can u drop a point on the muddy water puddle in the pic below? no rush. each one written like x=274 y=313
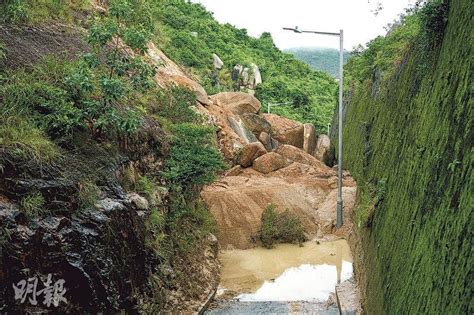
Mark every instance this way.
x=286 y=272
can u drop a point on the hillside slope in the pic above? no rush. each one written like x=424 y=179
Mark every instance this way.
x=105 y=145
x=409 y=144
x=190 y=35
x=321 y=59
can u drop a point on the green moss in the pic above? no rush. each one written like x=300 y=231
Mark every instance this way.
x=417 y=132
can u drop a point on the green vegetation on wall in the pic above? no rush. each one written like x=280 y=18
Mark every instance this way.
x=409 y=144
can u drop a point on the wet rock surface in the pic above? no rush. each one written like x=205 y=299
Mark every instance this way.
x=99 y=252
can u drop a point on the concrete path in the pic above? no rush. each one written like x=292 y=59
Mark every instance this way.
x=237 y=307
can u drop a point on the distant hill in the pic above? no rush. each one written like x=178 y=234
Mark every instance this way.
x=323 y=59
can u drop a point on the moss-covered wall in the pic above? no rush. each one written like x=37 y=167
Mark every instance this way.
x=410 y=147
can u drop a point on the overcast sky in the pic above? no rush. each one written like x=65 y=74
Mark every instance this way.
x=356 y=17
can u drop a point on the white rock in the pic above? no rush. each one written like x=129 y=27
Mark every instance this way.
x=257 y=76
x=140 y=202
x=218 y=64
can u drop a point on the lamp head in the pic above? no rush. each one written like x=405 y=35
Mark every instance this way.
x=296 y=30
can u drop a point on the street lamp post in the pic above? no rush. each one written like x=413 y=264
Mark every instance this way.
x=341 y=61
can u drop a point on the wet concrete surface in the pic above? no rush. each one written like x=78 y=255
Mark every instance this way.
x=274 y=308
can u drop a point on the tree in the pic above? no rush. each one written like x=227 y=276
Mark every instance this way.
x=123 y=73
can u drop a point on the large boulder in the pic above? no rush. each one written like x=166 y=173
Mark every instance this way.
x=286 y=130
x=169 y=73
x=269 y=143
x=294 y=137
x=237 y=102
x=237 y=125
x=269 y=162
x=256 y=123
x=309 y=138
x=322 y=150
x=280 y=125
x=297 y=155
x=193 y=86
x=250 y=152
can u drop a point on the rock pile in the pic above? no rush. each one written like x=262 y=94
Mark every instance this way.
x=276 y=160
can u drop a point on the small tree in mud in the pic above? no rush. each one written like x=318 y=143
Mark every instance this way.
x=282 y=227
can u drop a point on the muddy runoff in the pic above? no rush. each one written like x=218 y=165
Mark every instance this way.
x=285 y=273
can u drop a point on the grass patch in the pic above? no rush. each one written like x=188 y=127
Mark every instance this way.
x=282 y=227
x=89 y=193
x=33 y=205
x=23 y=140
x=148 y=187
x=188 y=226
x=39 y=11
x=178 y=233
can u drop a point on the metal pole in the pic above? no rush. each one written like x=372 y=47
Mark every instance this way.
x=339 y=184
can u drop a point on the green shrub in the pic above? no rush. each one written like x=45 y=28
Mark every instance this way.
x=269 y=230
x=290 y=228
x=39 y=11
x=33 y=205
x=194 y=159
x=175 y=104
x=13 y=11
x=283 y=227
